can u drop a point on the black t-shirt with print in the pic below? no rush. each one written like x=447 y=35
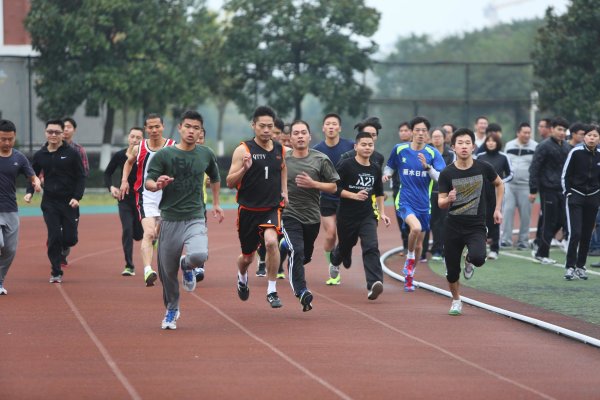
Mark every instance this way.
x=355 y=177
x=469 y=207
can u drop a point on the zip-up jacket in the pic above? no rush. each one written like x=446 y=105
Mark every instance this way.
x=520 y=157
x=546 y=167
x=581 y=173
x=64 y=176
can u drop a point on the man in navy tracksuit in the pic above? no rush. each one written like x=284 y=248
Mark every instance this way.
x=64 y=183
x=581 y=186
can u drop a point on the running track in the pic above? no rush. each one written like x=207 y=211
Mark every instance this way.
x=98 y=336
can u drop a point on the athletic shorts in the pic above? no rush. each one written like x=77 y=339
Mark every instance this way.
x=251 y=225
x=329 y=207
x=424 y=218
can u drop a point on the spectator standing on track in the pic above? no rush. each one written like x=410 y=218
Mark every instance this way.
x=356 y=218
x=520 y=155
x=147 y=201
x=449 y=128
x=544 y=128
x=545 y=177
x=462 y=192
x=576 y=133
x=581 y=186
x=405 y=136
x=481 y=124
x=499 y=160
x=130 y=220
x=64 y=184
x=12 y=163
x=309 y=172
x=179 y=172
x=438 y=215
x=258 y=171
x=418 y=164
x=333 y=147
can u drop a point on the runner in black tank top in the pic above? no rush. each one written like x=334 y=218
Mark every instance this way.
x=259 y=173
x=261 y=185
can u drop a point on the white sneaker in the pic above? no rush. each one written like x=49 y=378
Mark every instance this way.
x=170 y=320
x=492 y=255
x=455 y=308
x=468 y=270
x=188 y=279
x=546 y=261
x=555 y=242
x=3 y=291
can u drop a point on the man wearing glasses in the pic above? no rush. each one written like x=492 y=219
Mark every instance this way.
x=64 y=184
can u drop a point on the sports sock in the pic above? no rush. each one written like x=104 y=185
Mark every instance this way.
x=410 y=255
x=272 y=287
x=243 y=278
x=147 y=268
x=328 y=256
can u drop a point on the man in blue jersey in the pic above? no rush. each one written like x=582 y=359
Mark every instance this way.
x=333 y=146
x=418 y=164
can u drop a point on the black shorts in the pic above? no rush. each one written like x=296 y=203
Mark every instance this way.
x=329 y=207
x=252 y=223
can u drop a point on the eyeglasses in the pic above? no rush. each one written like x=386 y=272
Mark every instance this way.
x=51 y=132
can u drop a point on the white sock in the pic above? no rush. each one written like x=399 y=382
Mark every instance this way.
x=410 y=255
x=272 y=287
x=243 y=278
x=147 y=268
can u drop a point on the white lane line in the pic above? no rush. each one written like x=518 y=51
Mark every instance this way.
x=439 y=348
x=105 y=354
x=533 y=260
x=275 y=350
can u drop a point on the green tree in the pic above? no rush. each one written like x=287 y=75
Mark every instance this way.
x=287 y=49
x=567 y=59
x=111 y=54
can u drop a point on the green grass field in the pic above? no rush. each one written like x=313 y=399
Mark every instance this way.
x=540 y=285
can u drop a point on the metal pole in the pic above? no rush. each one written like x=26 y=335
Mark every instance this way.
x=30 y=107
x=533 y=96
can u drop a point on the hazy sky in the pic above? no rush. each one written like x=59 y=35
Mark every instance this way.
x=440 y=18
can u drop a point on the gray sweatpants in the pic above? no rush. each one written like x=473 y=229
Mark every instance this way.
x=174 y=236
x=516 y=198
x=9 y=238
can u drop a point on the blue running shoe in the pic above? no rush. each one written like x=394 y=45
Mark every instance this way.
x=170 y=320
x=283 y=245
x=188 y=279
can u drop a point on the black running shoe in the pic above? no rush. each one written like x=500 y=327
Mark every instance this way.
x=306 y=299
x=243 y=291
x=273 y=300
x=347 y=261
x=262 y=270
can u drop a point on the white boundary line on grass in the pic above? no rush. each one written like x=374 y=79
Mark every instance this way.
x=533 y=260
x=536 y=322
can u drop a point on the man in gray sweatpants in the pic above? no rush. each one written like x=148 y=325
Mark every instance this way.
x=179 y=172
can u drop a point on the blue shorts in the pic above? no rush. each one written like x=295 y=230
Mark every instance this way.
x=424 y=218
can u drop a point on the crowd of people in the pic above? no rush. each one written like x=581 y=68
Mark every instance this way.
x=455 y=188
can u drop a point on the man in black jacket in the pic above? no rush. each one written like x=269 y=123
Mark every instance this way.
x=128 y=213
x=64 y=184
x=545 y=177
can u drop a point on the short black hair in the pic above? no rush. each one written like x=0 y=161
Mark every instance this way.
x=576 y=126
x=153 y=116
x=418 y=120
x=462 y=132
x=371 y=121
x=56 y=121
x=193 y=115
x=438 y=128
x=71 y=120
x=404 y=123
x=547 y=121
x=136 y=128
x=560 y=121
x=7 y=126
x=263 y=111
x=362 y=135
x=452 y=126
x=296 y=122
x=334 y=115
x=481 y=117
x=279 y=124
x=523 y=125
x=493 y=127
